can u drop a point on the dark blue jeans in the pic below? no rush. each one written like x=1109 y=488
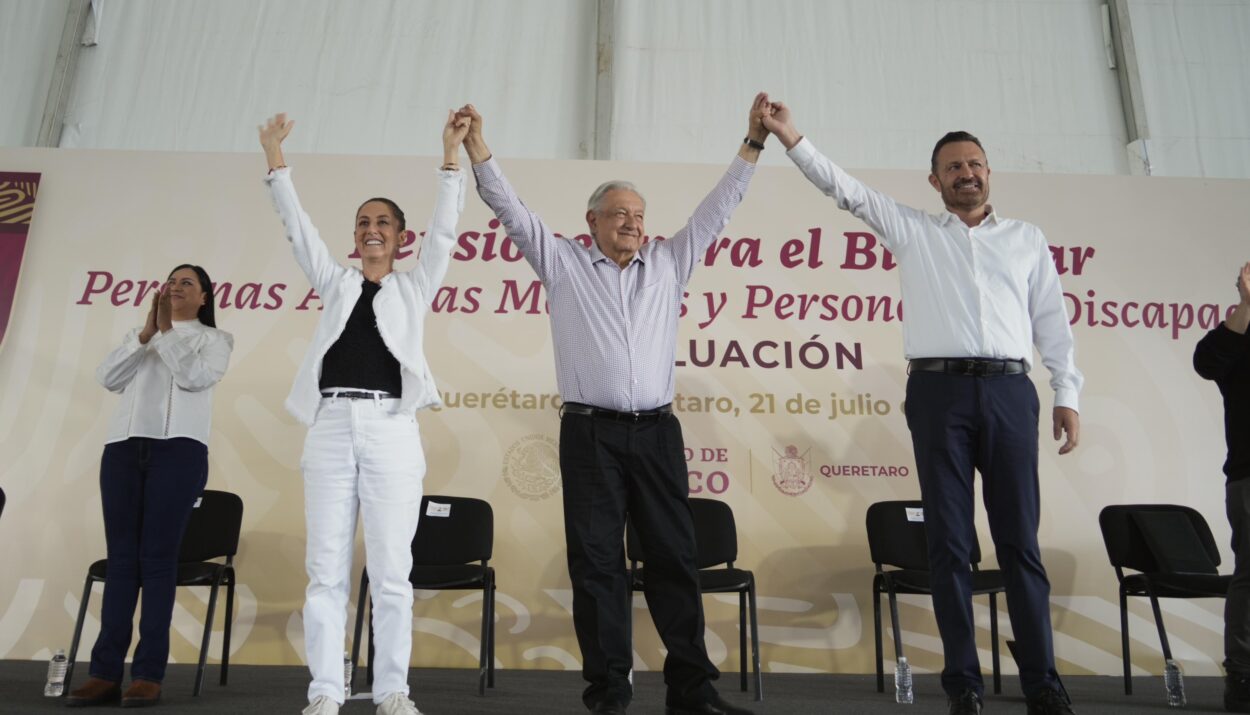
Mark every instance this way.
x=148 y=488
x=961 y=423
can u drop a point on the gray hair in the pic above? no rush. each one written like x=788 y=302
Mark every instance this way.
x=616 y=185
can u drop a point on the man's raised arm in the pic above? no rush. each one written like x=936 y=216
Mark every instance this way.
x=712 y=215
x=537 y=242
x=874 y=208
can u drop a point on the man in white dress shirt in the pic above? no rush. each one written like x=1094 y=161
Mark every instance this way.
x=981 y=292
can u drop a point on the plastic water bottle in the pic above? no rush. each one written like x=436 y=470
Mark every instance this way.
x=347 y=675
x=56 y=675
x=903 y=693
x=1174 y=683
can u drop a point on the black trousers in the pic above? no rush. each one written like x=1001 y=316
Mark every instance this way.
x=961 y=423
x=1237 y=603
x=609 y=469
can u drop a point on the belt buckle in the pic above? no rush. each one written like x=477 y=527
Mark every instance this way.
x=967 y=367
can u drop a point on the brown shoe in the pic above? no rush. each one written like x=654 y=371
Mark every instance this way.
x=141 y=694
x=96 y=691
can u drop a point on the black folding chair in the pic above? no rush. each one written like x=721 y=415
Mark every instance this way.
x=896 y=537
x=1174 y=554
x=451 y=550
x=716 y=538
x=212 y=533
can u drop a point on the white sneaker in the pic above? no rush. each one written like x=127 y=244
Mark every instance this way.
x=397 y=704
x=322 y=705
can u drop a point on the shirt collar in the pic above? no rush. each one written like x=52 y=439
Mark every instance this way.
x=596 y=255
x=991 y=218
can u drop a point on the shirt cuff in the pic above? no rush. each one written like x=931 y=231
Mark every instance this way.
x=741 y=169
x=161 y=340
x=272 y=175
x=802 y=153
x=1067 y=397
x=131 y=341
x=487 y=171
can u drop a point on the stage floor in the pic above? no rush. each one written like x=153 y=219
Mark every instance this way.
x=279 y=690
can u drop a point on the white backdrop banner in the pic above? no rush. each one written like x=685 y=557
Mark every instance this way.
x=789 y=387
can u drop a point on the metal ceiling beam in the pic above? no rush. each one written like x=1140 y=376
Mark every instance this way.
x=605 y=89
x=63 y=73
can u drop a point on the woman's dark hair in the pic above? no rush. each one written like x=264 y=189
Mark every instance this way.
x=394 y=207
x=205 y=315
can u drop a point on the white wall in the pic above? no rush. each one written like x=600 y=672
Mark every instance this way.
x=30 y=32
x=873 y=82
x=1195 y=67
x=361 y=77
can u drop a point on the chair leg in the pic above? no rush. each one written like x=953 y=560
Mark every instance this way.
x=1163 y=634
x=229 y=617
x=484 y=645
x=208 y=632
x=1124 y=643
x=994 y=659
x=742 y=641
x=898 y=637
x=876 y=622
x=82 y=616
x=755 y=643
x=369 y=657
x=360 y=622
x=490 y=658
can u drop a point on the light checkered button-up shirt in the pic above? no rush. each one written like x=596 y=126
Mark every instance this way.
x=614 y=329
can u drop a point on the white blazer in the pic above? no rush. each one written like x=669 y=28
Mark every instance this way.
x=400 y=305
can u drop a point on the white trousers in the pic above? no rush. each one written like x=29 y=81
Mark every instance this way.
x=360 y=453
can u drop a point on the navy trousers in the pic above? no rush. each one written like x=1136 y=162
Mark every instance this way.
x=962 y=423
x=610 y=469
x=148 y=488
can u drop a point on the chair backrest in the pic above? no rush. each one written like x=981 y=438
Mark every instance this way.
x=715 y=534
x=1153 y=538
x=453 y=530
x=213 y=530
x=896 y=535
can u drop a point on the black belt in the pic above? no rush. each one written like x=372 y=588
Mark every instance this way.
x=359 y=395
x=577 y=408
x=976 y=367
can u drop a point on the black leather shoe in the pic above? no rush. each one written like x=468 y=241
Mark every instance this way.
x=966 y=703
x=715 y=706
x=608 y=708
x=1049 y=702
x=1237 y=693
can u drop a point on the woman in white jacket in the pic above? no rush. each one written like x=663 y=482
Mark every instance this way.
x=358 y=389
x=155 y=465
